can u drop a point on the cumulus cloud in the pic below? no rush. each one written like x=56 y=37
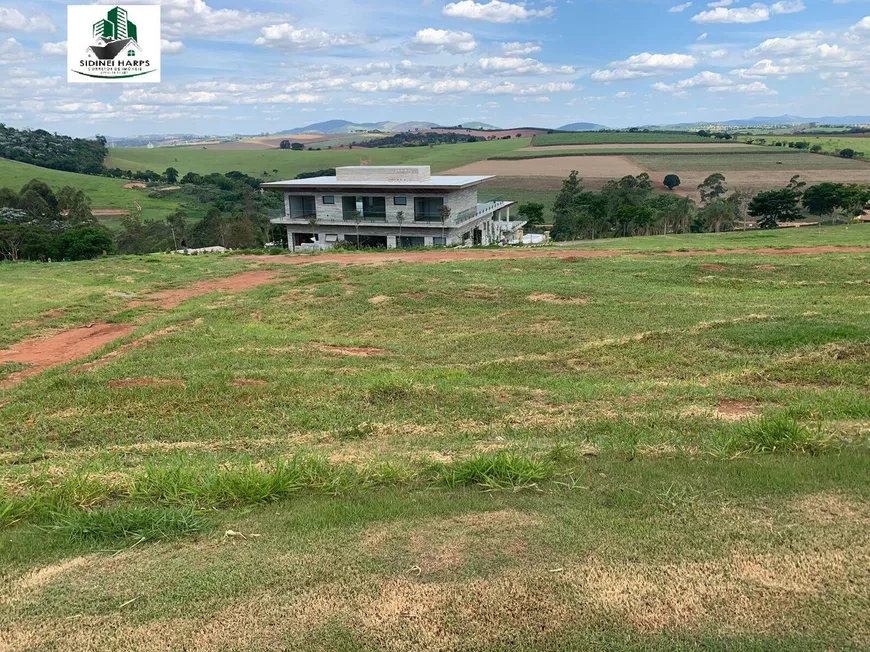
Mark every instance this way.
x=677 y=9
x=494 y=11
x=11 y=51
x=432 y=41
x=645 y=65
x=520 y=66
x=179 y=18
x=54 y=49
x=516 y=49
x=714 y=82
x=723 y=12
x=287 y=37
x=171 y=47
x=12 y=20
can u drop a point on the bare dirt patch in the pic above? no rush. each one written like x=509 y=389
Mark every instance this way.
x=67 y=346
x=352 y=351
x=134 y=184
x=379 y=299
x=589 y=167
x=144 y=382
x=248 y=382
x=552 y=298
x=169 y=299
x=734 y=410
x=713 y=268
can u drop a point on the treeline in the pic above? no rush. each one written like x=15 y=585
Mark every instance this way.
x=37 y=224
x=237 y=216
x=421 y=139
x=39 y=147
x=630 y=207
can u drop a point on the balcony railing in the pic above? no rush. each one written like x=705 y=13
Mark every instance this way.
x=371 y=216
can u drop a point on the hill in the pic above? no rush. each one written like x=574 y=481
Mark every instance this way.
x=347 y=127
x=582 y=126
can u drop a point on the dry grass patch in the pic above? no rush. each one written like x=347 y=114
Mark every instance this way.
x=552 y=298
x=379 y=299
x=351 y=351
x=145 y=382
x=38 y=579
x=248 y=382
x=447 y=544
x=831 y=509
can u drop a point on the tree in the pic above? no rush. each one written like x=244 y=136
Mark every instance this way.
x=672 y=181
x=712 y=188
x=177 y=222
x=566 y=208
x=285 y=144
x=192 y=178
x=76 y=205
x=444 y=213
x=11 y=238
x=847 y=153
x=718 y=215
x=297 y=147
x=532 y=213
x=824 y=198
x=400 y=218
x=775 y=206
x=86 y=242
x=171 y=175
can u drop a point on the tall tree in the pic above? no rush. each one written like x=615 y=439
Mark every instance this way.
x=775 y=206
x=712 y=188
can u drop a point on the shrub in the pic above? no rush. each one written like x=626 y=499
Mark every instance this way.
x=497 y=471
x=780 y=434
x=847 y=153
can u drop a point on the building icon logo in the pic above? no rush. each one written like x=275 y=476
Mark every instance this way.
x=121 y=45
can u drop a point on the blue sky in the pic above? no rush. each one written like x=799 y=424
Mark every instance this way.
x=263 y=66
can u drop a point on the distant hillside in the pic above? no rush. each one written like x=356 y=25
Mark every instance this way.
x=582 y=126
x=347 y=127
x=478 y=125
x=844 y=120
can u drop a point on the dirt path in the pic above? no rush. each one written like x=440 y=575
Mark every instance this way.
x=444 y=256
x=169 y=299
x=67 y=346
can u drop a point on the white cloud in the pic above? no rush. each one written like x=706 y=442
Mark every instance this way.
x=645 y=65
x=400 y=84
x=676 y=9
x=494 y=11
x=11 y=51
x=286 y=37
x=170 y=47
x=787 y=7
x=714 y=82
x=432 y=41
x=520 y=66
x=12 y=20
x=516 y=49
x=755 y=14
x=767 y=68
x=54 y=49
x=180 y=18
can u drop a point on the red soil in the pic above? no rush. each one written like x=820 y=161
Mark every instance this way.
x=47 y=352
x=169 y=299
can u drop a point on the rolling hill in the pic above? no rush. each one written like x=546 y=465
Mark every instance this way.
x=582 y=126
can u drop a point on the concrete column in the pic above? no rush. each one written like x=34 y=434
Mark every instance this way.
x=291 y=244
x=286 y=204
x=392 y=242
x=428 y=241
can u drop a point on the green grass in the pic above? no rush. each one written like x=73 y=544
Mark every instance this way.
x=622 y=137
x=688 y=151
x=830 y=144
x=768 y=160
x=290 y=163
x=103 y=191
x=660 y=455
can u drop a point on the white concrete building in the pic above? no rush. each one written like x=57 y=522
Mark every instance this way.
x=391 y=207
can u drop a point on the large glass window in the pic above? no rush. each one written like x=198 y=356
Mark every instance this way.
x=302 y=207
x=426 y=209
x=328 y=199
x=400 y=201
x=370 y=209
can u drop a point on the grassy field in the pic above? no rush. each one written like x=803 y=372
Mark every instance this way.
x=593 y=138
x=290 y=163
x=778 y=160
x=687 y=151
x=830 y=144
x=103 y=191
x=574 y=452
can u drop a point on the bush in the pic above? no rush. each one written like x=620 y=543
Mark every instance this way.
x=497 y=471
x=672 y=181
x=847 y=153
x=85 y=242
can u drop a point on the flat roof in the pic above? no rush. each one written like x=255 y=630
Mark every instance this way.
x=333 y=182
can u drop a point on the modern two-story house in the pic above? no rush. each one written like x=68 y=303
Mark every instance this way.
x=375 y=206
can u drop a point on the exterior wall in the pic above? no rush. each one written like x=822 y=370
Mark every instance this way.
x=458 y=201
x=491 y=232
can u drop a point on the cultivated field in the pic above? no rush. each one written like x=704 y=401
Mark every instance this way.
x=591 y=167
x=631 y=147
x=544 y=449
x=290 y=163
x=591 y=138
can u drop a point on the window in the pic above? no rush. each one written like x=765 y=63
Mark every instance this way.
x=400 y=201
x=438 y=242
x=328 y=199
x=427 y=209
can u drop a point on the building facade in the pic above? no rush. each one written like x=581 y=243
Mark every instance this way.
x=379 y=206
